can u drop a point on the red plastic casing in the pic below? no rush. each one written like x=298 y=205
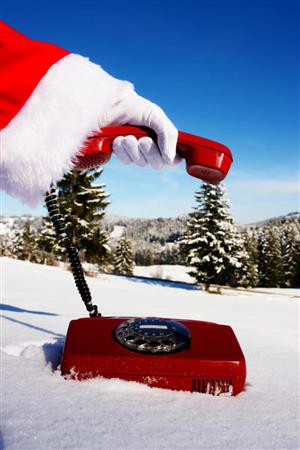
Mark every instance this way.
x=214 y=363
x=205 y=159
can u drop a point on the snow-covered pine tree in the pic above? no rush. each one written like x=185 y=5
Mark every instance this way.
x=270 y=257
x=24 y=243
x=6 y=247
x=123 y=259
x=296 y=282
x=48 y=243
x=251 y=263
x=144 y=256
x=49 y=249
x=83 y=203
x=169 y=255
x=290 y=256
x=261 y=239
x=212 y=243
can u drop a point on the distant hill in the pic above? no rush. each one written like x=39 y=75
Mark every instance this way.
x=293 y=217
x=155 y=235
x=9 y=224
x=147 y=233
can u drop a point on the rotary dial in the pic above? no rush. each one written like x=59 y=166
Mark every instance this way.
x=153 y=335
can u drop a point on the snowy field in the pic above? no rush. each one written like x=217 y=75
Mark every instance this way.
x=41 y=410
x=165 y=272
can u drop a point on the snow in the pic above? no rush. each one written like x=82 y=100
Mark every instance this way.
x=41 y=410
x=117 y=232
x=165 y=272
x=6 y=225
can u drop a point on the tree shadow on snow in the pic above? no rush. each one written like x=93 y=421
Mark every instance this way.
x=165 y=283
x=34 y=327
x=53 y=353
x=4 y=307
x=1 y=441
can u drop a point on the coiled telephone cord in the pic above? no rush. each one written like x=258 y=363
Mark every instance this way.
x=58 y=222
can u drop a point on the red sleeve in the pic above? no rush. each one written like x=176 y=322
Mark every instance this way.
x=23 y=62
x=51 y=101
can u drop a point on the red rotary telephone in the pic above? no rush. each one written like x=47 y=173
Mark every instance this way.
x=186 y=355
x=205 y=159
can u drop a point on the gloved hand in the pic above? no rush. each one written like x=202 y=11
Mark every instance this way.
x=133 y=109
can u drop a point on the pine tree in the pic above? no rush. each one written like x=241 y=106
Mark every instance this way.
x=212 y=243
x=123 y=260
x=6 y=247
x=296 y=281
x=83 y=204
x=271 y=259
x=290 y=257
x=25 y=243
x=261 y=239
x=149 y=257
x=236 y=273
x=251 y=263
x=48 y=243
x=49 y=249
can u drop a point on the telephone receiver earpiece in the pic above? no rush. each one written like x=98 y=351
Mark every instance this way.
x=205 y=159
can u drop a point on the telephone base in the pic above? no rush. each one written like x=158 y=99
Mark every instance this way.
x=212 y=362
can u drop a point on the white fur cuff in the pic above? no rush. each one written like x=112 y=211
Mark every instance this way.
x=68 y=104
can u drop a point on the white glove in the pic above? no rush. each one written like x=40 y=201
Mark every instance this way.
x=133 y=109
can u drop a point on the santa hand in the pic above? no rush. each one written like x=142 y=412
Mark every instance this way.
x=133 y=109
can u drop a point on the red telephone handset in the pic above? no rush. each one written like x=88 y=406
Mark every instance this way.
x=205 y=159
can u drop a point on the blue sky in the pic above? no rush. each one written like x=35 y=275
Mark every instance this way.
x=223 y=69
